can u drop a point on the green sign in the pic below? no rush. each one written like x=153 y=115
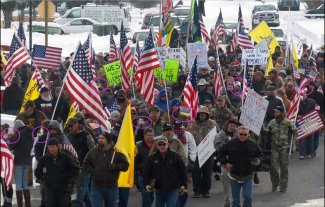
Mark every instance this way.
x=170 y=72
x=113 y=73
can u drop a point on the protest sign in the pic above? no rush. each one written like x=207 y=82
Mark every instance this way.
x=113 y=73
x=162 y=55
x=199 y=49
x=170 y=71
x=262 y=45
x=254 y=56
x=309 y=124
x=171 y=53
x=253 y=111
x=206 y=147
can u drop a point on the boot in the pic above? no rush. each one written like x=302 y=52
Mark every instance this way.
x=19 y=195
x=27 y=198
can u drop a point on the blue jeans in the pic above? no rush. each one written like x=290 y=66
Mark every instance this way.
x=306 y=146
x=167 y=199
x=123 y=197
x=247 y=187
x=83 y=190
x=21 y=177
x=106 y=194
x=147 y=198
x=316 y=140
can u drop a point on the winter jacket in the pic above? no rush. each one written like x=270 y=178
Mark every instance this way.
x=169 y=172
x=104 y=173
x=13 y=97
x=22 y=148
x=239 y=154
x=142 y=157
x=200 y=129
x=33 y=120
x=46 y=107
x=274 y=101
x=56 y=173
x=206 y=95
x=82 y=142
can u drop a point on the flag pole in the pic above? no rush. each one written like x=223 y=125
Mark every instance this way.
x=245 y=68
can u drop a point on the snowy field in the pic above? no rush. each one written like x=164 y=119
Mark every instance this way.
x=311 y=30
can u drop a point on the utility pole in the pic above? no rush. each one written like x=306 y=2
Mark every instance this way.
x=30 y=24
x=46 y=22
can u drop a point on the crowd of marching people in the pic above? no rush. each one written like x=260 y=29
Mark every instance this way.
x=76 y=156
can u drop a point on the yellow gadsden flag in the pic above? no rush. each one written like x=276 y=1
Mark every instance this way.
x=126 y=145
x=3 y=58
x=74 y=108
x=294 y=55
x=32 y=91
x=263 y=31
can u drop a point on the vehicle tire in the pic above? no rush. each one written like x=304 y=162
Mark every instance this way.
x=62 y=32
x=115 y=30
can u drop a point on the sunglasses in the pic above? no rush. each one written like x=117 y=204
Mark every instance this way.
x=162 y=144
x=241 y=134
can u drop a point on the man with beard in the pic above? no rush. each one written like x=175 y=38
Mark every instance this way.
x=31 y=116
x=44 y=102
x=279 y=130
x=104 y=164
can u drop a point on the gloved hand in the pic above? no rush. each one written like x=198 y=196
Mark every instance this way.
x=149 y=189
x=255 y=162
x=182 y=190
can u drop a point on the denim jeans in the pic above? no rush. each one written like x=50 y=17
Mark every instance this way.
x=306 y=146
x=21 y=177
x=123 y=197
x=247 y=187
x=106 y=194
x=82 y=189
x=316 y=140
x=167 y=199
x=147 y=198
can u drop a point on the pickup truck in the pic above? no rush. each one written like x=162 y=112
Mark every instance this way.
x=267 y=13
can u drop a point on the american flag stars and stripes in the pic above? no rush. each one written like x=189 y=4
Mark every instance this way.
x=204 y=31
x=219 y=29
x=308 y=124
x=47 y=57
x=148 y=62
x=217 y=78
x=190 y=92
x=90 y=53
x=82 y=89
x=38 y=78
x=7 y=163
x=17 y=57
x=113 y=53
x=21 y=33
x=112 y=106
x=248 y=80
x=242 y=39
x=136 y=60
x=68 y=146
x=126 y=59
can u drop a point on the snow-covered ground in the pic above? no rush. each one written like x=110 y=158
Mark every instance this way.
x=311 y=203
x=311 y=30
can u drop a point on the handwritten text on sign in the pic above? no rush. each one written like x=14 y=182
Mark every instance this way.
x=171 y=53
x=206 y=147
x=199 y=49
x=255 y=57
x=253 y=111
x=113 y=73
x=170 y=72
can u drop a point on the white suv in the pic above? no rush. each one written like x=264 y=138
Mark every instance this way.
x=267 y=13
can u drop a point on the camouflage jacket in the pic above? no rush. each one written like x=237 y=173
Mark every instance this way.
x=200 y=129
x=221 y=116
x=280 y=132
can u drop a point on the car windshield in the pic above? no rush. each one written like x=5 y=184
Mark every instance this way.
x=277 y=32
x=230 y=25
x=265 y=8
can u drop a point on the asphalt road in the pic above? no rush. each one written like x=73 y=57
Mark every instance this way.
x=306 y=181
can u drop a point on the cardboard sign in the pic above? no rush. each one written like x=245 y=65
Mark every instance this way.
x=113 y=73
x=170 y=72
x=206 y=147
x=199 y=49
x=171 y=53
x=309 y=124
x=254 y=56
x=253 y=111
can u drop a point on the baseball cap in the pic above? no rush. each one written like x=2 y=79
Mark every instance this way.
x=279 y=108
x=168 y=126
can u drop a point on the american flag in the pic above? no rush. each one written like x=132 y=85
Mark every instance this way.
x=242 y=39
x=126 y=59
x=47 y=57
x=219 y=29
x=7 y=163
x=204 y=31
x=190 y=91
x=294 y=107
x=37 y=77
x=308 y=124
x=248 y=80
x=90 y=53
x=17 y=57
x=136 y=60
x=217 y=77
x=148 y=62
x=21 y=33
x=82 y=89
x=113 y=54
x=240 y=17
x=68 y=146
x=112 y=106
